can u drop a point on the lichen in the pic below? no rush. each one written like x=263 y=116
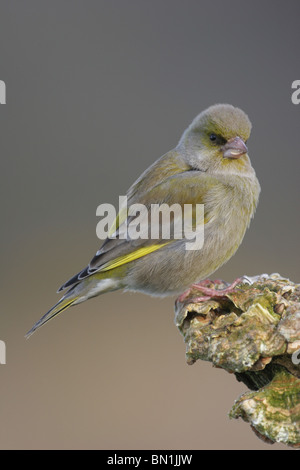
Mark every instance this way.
x=252 y=331
x=274 y=411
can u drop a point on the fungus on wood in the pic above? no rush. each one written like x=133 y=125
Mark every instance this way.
x=252 y=331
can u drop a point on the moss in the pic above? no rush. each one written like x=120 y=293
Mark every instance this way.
x=274 y=411
x=248 y=330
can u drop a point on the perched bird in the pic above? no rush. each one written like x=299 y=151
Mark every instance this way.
x=209 y=166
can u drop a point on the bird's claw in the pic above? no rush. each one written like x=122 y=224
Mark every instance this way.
x=209 y=292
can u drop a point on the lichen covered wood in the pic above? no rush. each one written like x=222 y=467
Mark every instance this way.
x=254 y=332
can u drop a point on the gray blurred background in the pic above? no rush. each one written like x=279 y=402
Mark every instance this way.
x=96 y=91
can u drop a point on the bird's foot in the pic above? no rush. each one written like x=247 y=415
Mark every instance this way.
x=217 y=292
x=208 y=292
x=186 y=293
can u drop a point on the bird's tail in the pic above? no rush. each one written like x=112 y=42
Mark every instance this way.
x=87 y=288
x=64 y=303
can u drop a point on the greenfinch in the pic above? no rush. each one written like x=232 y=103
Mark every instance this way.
x=209 y=166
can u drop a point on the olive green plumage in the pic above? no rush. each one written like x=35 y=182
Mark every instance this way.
x=209 y=166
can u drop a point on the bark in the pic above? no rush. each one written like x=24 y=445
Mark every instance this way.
x=252 y=331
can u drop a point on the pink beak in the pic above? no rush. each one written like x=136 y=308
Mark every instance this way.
x=234 y=148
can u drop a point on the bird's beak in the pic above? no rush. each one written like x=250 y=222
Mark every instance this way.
x=234 y=148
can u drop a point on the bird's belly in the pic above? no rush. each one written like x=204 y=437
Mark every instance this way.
x=172 y=269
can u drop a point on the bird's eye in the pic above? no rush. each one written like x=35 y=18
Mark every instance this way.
x=217 y=139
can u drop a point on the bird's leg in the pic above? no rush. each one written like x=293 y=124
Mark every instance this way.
x=186 y=293
x=208 y=291
x=183 y=296
x=217 y=292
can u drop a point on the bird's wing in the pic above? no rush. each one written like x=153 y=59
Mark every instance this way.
x=188 y=187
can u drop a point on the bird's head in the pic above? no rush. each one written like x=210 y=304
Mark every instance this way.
x=216 y=139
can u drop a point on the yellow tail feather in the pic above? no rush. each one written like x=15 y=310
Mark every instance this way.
x=62 y=305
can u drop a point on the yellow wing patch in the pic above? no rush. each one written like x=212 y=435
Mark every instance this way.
x=139 y=253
